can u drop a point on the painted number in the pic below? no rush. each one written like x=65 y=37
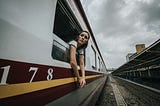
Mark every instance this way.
x=5 y=74
x=35 y=71
x=50 y=75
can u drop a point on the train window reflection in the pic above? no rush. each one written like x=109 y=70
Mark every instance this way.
x=60 y=52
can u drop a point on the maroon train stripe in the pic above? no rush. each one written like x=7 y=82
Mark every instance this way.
x=19 y=72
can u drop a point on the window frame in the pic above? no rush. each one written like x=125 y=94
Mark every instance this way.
x=94 y=65
x=66 y=10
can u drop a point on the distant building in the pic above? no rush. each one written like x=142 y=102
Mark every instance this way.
x=139 y=49
x=128 y=57
x=110 y=70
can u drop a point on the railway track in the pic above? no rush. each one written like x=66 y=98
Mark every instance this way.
x=121 y=92
x=143 y=94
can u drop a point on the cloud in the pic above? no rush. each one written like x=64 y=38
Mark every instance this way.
x=121 y=24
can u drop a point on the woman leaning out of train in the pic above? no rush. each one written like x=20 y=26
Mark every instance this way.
x=79 y=44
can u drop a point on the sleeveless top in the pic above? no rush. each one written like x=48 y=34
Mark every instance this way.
x=74 y=44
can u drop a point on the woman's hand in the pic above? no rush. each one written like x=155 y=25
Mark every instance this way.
x=82 y=82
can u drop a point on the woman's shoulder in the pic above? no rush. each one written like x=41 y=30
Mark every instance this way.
x=73 y=43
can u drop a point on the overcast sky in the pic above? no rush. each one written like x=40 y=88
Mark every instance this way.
x=118 y=25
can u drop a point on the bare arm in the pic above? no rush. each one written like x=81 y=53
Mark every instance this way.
x=81 y=60
x=82 y=80
x=73 y=61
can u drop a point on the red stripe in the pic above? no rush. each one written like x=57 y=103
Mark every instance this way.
x=19 y=72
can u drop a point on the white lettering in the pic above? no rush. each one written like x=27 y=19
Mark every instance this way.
x=35 y=71
x=50 y=75
x=5 y=74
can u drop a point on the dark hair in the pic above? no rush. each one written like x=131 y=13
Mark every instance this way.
x=84 y=45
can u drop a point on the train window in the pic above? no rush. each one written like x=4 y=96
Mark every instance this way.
x=93 y=59
x=60 y=52
x=101 y=66
x=66 y=25
x=99 y=63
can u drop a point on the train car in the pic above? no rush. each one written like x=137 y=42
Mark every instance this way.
x=34 y=54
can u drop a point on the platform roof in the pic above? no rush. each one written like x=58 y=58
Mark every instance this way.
x=148 y=57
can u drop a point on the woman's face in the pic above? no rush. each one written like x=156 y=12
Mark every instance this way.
x=83 y=38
